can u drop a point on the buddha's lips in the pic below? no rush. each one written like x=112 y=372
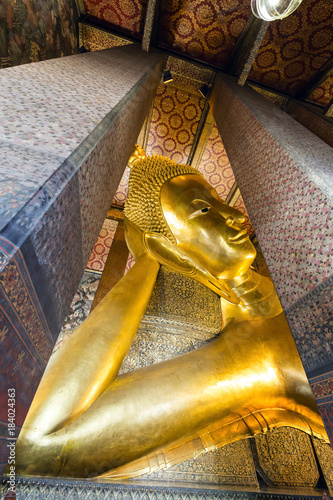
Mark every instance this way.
x=240 y=237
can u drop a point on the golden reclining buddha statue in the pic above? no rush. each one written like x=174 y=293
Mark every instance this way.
x=86 y=420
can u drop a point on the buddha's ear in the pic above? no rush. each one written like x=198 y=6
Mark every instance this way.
x=169 y=255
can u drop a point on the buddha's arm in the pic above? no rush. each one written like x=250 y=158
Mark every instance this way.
x=90 y=360
x=215 y=392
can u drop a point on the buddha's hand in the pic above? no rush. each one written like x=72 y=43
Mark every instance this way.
x=135 y=239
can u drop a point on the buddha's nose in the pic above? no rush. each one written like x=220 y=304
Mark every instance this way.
x=229 y=221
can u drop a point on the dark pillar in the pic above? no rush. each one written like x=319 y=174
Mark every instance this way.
x=68 y=128
x=285 y=176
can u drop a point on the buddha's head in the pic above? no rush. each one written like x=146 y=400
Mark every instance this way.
x=176 y=201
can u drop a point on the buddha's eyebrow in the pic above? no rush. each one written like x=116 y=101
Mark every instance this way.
x=197 y=202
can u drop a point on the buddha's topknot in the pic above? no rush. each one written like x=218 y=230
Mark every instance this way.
x=143 y=206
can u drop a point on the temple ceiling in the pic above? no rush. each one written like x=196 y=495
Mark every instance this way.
x=294 y=57
x=205 y=31
x=296 y=48
x=284 y=59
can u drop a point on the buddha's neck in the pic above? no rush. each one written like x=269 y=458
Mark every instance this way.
x=257 y=294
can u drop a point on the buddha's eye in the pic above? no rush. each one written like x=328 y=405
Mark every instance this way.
x=202 y=210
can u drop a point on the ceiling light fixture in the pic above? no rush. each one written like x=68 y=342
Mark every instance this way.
x=271 y=10
x=167 y=77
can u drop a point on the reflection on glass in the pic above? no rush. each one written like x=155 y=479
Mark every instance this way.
x=271 y=10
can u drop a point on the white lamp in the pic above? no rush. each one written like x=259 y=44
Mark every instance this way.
x=270 y=10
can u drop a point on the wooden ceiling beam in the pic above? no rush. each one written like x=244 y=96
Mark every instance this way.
x=246 y=48
x=329 y=108
x=316 y=81
x=233 y=195
x=95 y=22
x=198 y=133
x=150 y=29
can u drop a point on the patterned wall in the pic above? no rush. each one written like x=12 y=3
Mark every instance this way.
x=47 y=235
x=102 y=246
x=203 y=29
x=296 y=48
x=174 y=123
x=129 y=15
x=215 y=165
x=33 y=31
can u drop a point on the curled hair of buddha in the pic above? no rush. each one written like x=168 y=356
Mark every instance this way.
x=143 y=206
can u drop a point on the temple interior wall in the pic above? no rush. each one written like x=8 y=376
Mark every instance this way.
x=68 y=129
x=71 y=199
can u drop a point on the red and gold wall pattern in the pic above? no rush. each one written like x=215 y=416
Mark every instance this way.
x=174 y=122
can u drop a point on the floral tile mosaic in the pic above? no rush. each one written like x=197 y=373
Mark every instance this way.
x=311 y=323
x=102 y=246
x=53 y=106
x=22 y=173
x=215 y=165
x=322 y=387
x=122 y=189
x=174 y=122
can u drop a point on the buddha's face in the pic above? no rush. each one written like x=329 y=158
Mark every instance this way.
x=205 y=227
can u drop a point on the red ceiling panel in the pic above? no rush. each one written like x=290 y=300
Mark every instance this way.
x=129 y=15
x=202 y=29
x=296 y=48
x=324 y=93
